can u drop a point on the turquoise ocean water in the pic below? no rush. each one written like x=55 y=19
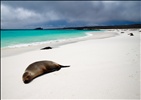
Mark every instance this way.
x=17 y=38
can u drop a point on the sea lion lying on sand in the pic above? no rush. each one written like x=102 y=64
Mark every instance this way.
x=46 y=48
x=39 y=68
x=131 y=34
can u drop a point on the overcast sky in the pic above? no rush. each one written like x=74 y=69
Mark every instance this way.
x=48 y=14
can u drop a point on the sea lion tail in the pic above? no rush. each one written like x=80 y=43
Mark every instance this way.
x=62 y=66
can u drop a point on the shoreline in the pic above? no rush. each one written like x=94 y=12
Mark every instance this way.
x=106 y=68
x=5 y=52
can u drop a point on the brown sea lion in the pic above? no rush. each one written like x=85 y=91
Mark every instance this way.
x=39 y=68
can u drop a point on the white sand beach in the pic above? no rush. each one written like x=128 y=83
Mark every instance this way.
x=100 y=68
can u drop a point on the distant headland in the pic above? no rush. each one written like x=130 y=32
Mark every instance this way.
x=97 y=27
x=103 y=27
x=38 y=28
x=89 y=27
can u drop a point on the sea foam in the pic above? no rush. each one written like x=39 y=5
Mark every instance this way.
x=88 y=34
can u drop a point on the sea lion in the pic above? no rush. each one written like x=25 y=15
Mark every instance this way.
x=39 y=68
x=46 y=48
x=131 y=34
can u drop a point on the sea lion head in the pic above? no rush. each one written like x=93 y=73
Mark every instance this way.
x=27 y=77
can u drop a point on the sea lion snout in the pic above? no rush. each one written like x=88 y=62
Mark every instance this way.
x=26 y=81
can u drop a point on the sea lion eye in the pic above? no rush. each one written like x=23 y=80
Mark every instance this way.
x=27 y=76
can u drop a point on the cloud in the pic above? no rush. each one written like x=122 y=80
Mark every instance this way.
x=20 y=17
x=11 y=17
x=22 y=14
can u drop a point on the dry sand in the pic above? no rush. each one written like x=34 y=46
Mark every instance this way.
x=107 y=68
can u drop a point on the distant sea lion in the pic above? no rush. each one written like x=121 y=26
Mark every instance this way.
x=39 y=68
x=46 y=48
x=131 y=34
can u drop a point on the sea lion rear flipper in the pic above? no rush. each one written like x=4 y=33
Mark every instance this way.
x=62 y=66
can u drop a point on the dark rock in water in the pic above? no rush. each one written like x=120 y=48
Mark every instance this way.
x=46 y=48
x=131 y=34
x=39 y=28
